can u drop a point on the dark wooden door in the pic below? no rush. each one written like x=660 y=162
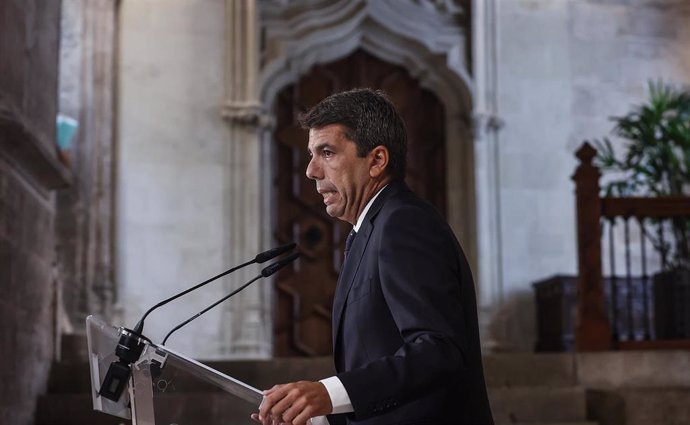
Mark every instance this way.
x=304 y=294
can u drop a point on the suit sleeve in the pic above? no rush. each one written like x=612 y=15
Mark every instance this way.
x=421 y=283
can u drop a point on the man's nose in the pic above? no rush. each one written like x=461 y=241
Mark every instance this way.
x=313 y=170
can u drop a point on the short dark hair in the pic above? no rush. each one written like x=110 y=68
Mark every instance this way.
x=370 y=120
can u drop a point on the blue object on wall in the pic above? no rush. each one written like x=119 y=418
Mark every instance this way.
x=66 y=128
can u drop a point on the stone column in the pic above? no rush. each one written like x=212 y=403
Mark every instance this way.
x=248 y=325
x=487 y=127
x=462 y=207
x=84 y=211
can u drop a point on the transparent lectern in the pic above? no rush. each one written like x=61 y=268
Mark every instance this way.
x=165 y=387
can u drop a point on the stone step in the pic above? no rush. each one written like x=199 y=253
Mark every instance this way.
x=640 y=406
x=73 y=409
x=538 y=404
x=187 y=408
x=511 y=402
x=549 y=423
x=501 y=370
x=514 y=406
x=74 y=378
x=643 y=369
x=529 y=369
x=634 y=369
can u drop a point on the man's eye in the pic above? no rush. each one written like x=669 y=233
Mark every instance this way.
x=327 y=153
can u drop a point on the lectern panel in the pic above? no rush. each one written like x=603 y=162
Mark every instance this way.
x=166 y=387
x=102 y=339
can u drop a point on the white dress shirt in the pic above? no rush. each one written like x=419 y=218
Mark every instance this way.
x=336 y=391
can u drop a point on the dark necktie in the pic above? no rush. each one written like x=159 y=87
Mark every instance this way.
x=349 y=240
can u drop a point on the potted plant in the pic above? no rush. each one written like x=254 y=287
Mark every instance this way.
x=655 y=162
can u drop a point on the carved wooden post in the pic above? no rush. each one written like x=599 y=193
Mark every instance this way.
x=593 y=331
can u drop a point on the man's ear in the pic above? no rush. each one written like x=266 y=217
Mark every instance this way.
x=379 y=161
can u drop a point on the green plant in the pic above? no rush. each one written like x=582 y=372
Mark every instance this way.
x=656 y=158
x=656 y=138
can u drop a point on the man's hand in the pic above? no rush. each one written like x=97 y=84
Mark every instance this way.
x=294 y=403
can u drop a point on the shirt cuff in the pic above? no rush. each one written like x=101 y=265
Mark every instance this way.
x=318 y=420
x=338 y=394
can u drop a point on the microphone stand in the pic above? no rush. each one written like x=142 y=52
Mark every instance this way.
x=267 y=271
x=131 y=342
x=260 y=258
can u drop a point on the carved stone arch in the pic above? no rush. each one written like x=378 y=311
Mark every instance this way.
x=300 y=34
x=431 y=47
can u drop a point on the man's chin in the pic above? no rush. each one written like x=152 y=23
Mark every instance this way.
x=330 y=210
x=333 y=211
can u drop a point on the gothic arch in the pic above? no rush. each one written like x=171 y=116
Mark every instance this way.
x=432 y=48
x=298 y=35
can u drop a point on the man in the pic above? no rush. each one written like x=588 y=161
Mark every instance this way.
x=405 y=336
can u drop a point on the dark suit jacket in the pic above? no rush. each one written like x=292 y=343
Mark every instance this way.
x=405 y=333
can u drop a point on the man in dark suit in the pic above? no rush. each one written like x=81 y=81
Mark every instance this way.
x=405 y=335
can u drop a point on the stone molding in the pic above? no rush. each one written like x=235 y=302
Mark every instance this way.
x=487 y=122
x=247 y=328
x=248 y=114
x=241 y=61
x=487 y=125
x=304 y=33
x=25 y=147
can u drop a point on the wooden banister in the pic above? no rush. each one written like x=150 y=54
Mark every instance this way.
x=663 y=207
x=593 y=330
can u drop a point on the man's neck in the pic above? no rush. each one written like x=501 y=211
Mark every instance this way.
x=360 y=218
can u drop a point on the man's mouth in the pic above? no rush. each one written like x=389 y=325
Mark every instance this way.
x=327 y=195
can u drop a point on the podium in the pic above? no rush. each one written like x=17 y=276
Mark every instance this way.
x=166 y=387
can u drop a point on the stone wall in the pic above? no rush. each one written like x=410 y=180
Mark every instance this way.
x=30 y=32
x=27 y=297
x=564 y=68
x=173 y=169
x=29 y=169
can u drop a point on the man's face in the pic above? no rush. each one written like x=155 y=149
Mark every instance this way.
x=342 y=177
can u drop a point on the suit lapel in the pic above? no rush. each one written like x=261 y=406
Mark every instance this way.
x=355 y=256
x=347 y=276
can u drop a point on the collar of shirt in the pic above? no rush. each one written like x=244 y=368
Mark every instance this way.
x=360 y=219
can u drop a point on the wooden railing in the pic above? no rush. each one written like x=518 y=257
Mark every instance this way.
x=597 y=326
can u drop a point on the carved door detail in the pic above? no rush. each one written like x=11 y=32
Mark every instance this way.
x=304 y=294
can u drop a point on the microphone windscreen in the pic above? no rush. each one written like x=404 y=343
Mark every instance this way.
x=274 y=252
x=270 y=269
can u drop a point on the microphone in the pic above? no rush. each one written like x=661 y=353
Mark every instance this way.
x=131 y=342
x=266 y=272
x=260 y=258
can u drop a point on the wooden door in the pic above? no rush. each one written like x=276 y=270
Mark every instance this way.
x=304 y=294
